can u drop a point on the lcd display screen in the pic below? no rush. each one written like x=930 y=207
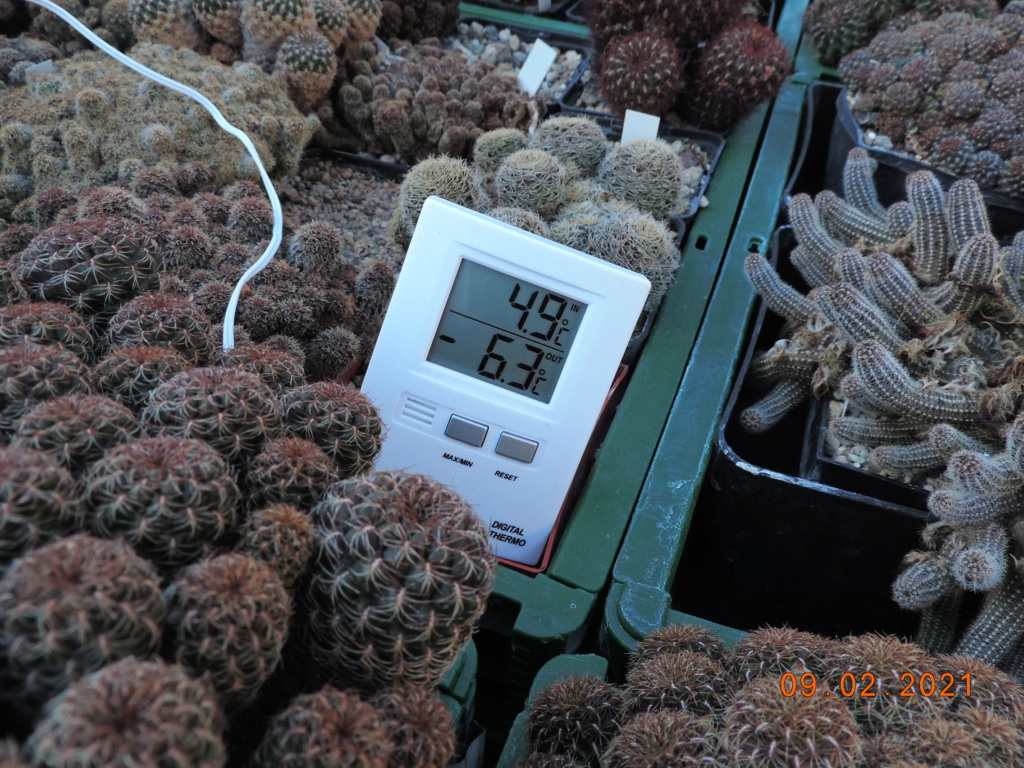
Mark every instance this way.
x=506 y=331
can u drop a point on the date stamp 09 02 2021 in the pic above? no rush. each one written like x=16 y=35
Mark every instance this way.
x=868 y=685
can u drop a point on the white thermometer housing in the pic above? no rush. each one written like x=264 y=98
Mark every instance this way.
x=493 y=363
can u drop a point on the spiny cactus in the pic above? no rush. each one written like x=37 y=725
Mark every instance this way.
x=678 y=637
x=340 y=420
x=642 y=71
x=682 y=680
x=419 y=725
x=531 y=179
x=575 y=140
x=91 y=266
x=446 y=177
x=280 y=535
x=231 y=409
x=279 y=370
x=661 y=739
x=645 y=172
x=416 y=19
x=171 y=498
x=39 y=501
x=289 y=470
x=576 y=716
x=772 y=651
x=332 y=727
x=266 y=23
x=46 y=323
x=308 y=62
x=401 y=572
x=31 y=373
x=162 y=319
x=175 y=720
x=227 y=620
x=72 y=607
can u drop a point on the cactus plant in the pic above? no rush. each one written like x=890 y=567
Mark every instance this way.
x=576 y=717
x=280 y=535
x=642 y=71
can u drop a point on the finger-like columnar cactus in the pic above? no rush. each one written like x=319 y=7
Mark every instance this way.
x=227 y=620
x=848 y=222
x=923 y=582
x=858 y=317
x=340 y=420
x=308 y=62
x=576 y=140
x=171 y=498
x=76 y=429
x=764 y=727
x=280 y=535
x=899 y=293
x=871 y=432
x=31 y=373
x=289 y=470
x=645 y=172
x=531 y=179
x=576 y=716
x=39 y=501
x=329 y=727
x=982 y=562
x=930 y=233
x=999 y=624
x=46 y=323
x=782 y=298
x=162 y=319
x=92 y=266
x=641 y=71
x=402 y=568
x=72 y=607
x=782 y=398
x=175 y=720
x=231 y=409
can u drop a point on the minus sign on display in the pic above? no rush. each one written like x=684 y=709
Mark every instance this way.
x=449 y=339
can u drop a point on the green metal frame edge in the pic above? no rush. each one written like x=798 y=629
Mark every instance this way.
x=541 y=23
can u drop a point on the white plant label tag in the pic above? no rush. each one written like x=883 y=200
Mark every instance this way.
x=543 y=5
x=536 y=67
x=639 y=125
x=42 y=68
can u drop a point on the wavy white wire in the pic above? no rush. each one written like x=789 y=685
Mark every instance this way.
x=174 y=85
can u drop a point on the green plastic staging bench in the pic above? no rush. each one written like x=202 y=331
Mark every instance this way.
x=639 y=599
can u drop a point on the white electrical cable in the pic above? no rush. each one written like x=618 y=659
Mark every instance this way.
x=174 y=85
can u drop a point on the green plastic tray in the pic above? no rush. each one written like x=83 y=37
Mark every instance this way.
x=808 y=68
x=533 y=617
x=458 y=690
x=517 y=746
x=639 y=600
x=533 y=21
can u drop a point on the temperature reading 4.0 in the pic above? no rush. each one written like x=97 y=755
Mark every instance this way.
x=506 y=331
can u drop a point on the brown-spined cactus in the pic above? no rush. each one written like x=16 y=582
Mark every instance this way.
x=449 y=178
x=227 y=620
x=72 y=607
x=46 y=323
x=92 y=266
x=681 y=680
x=329 y=727
x=289 y=470
x=266 y=24
x=678 y=637
x=332 y=352
x=764 y=727
x=162 y=319
x=642 y=71
x=773 y=651
x=419 y=724
x=414 y=20
x=340 y=420
x=280 y=535
x=231 y=409
x=129 y=374
x=279 y=370
x=175 y=720
x=171 y=498
x=31 y=373
x=316 y=247
x=39 y=501
x=576 y=716
x=309 y=65
x=402 y=570
x=76 y=429
x=662 y=739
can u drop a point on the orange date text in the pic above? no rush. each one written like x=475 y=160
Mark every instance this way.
x=867 y=685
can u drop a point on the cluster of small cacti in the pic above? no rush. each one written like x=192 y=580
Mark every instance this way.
x=414 y=20
x=946 y=92
x=94 y=121
x=18 y=54
x=780 y=697
x=422 y=101
x=837 y=27
x=705 y=58
x=567 y=183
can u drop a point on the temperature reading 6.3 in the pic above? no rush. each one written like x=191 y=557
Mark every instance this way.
x=506 y=331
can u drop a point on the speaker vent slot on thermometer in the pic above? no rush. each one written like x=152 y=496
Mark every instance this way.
x=419 y=411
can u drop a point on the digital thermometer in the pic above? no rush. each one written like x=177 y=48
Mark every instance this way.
x=493 y=363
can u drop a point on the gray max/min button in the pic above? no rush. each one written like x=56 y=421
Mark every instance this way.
x=515 y=447
x=461 y=428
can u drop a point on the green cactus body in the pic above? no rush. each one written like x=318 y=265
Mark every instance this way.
x=936 y=632
x=999 y=625
x=899 y=292
x=887 y=382
x=966 y=212
x=221 y=19
x=309 y=64
x=899 y=220
x=973 y=273
x=781 y=298
x=165 y=22
x=636 y=240
x=930 y=234
x=531 y=179
x=446 y=177
x=809 y=267
x=971 y=508
x=905 y=459
x=858 y=317
x=847 y=222
x=363 y=18
x=331 y=21
x=494 y=146
x=924 y=582
x=810 y=232
x=947 y=440
x=789 y=361
x=266 y=23
x=773 y=407
x=872 y=432
x=859 y=183
x=576 y=140
x=982 y=472
x=851 y=267
x=162 y=319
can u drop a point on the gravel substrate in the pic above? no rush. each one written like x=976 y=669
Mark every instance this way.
x=507 y=52
x=359 y=202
